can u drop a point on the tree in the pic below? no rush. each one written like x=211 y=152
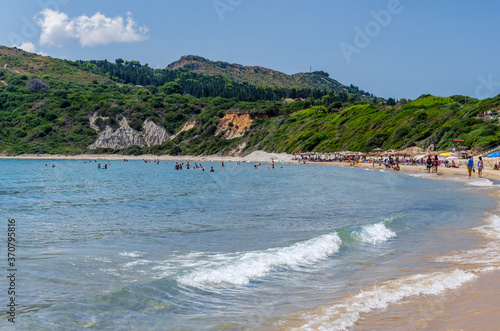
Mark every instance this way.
x=322 y=73
x=37 y=85
x=171 y=88
x=119 y=61
x=391 y=102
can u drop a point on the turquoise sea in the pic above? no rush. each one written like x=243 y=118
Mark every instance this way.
x=141 y=246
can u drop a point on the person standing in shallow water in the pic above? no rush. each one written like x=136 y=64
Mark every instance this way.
x=480 y=167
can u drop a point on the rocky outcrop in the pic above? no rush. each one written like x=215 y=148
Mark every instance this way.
x=125 y=136
x=186 y=127
x=154 y=134
x=93 y=118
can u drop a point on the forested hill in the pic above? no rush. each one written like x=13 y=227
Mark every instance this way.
x=261 y=76
x=248 y=85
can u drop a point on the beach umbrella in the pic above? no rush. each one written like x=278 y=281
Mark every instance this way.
x=445 y=154
x=494 y=154
x=418 y=157
x=441 y=158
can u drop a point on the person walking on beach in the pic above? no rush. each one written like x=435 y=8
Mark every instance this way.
x=470 y=165
x=480 y=167
x=429 y=164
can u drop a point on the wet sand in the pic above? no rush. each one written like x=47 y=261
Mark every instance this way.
x=474 y=306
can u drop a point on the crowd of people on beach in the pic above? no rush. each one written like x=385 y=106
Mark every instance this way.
x=431 y=163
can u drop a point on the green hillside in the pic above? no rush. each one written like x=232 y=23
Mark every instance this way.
x=426 y=121
x=46 y=105
x=15 y=61
x=261 y=76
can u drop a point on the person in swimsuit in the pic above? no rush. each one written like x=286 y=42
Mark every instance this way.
x=480 y=167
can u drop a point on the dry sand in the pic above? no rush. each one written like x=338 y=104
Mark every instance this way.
x=475 y=306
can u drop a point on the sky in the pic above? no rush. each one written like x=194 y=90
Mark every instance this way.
x=390 y=48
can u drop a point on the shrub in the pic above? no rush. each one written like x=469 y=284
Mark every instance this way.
x=37 y=86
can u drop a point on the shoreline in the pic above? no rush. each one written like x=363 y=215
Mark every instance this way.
x=257 y=156
x=474 y=305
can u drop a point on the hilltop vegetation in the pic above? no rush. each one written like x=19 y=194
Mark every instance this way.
x=202 y=85
x=55 y=119
x=260 y=76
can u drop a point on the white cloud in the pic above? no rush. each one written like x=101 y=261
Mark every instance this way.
x=58 y=28
x=55 y=28
x=27 y=46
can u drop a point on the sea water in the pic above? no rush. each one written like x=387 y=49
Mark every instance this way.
x=141 y=246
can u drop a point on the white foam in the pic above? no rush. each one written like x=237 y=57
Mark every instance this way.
x=136 y=263
x=421 y=175
x=492 y=227
x=479 y=182
x=239 y=269
x=345 y=314
x=488 y=255
x=374 y=233
x=131 y=254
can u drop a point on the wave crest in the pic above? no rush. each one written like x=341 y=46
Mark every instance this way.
x=374 y=233
x=240 y=269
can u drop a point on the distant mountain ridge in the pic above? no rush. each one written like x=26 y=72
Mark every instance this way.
x=260 y=76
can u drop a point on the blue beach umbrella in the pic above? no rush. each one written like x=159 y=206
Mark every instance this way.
x=494 y=154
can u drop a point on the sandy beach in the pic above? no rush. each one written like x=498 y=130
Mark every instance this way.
x=474 y=306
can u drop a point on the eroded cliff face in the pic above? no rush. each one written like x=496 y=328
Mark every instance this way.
x=234 y=125
x=125 y=136
x=186 y=127
x=154 y=134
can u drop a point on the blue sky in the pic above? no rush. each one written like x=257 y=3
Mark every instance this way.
x=391 y=48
